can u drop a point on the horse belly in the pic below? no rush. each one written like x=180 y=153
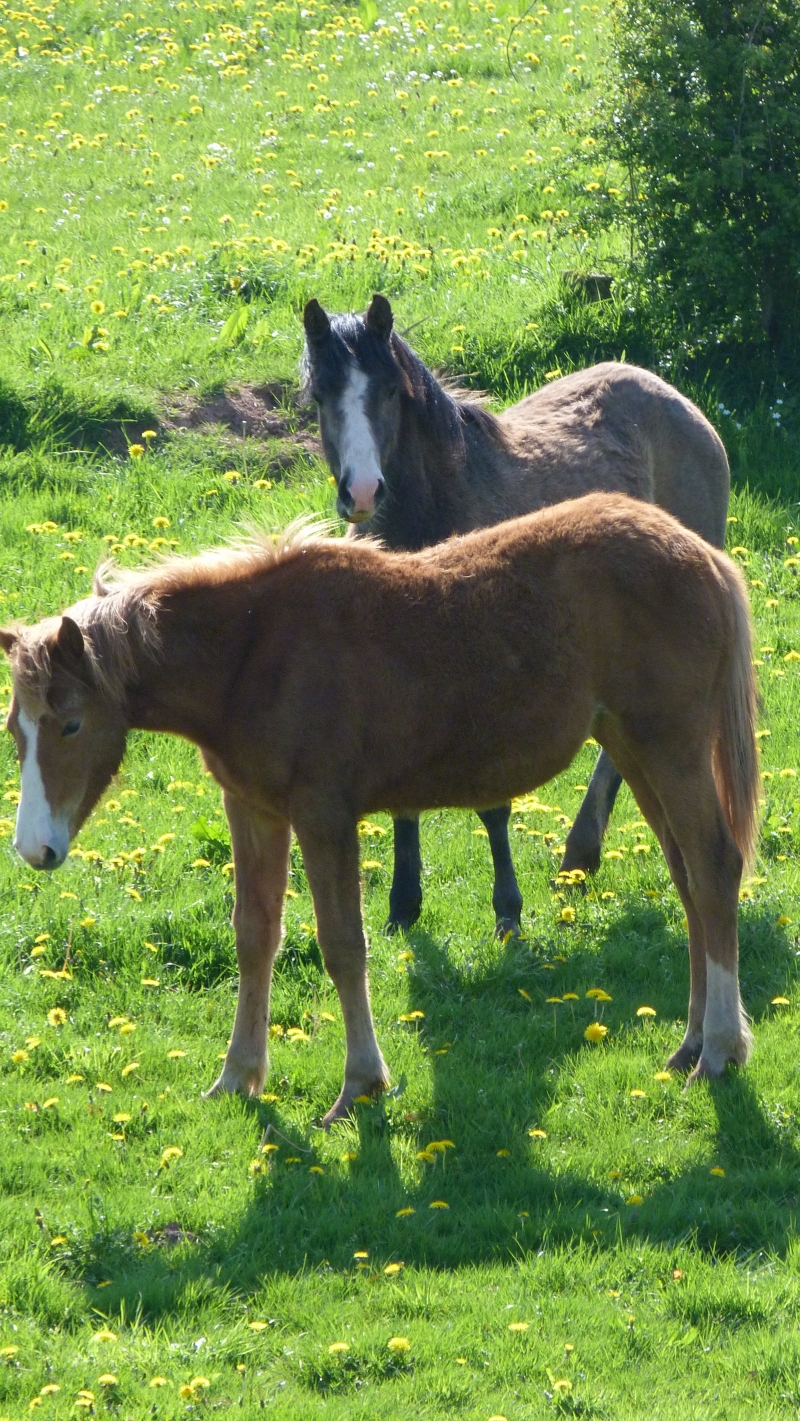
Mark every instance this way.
x=500 y=746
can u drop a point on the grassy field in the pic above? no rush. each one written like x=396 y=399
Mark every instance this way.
x=530 y=1224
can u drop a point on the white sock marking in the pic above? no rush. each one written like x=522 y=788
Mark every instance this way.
x=36 y=829
x=358 y=455
x=726 y=1034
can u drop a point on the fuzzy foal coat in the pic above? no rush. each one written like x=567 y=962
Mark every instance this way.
x=332 y=679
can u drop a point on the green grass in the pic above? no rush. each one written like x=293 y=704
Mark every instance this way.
x=118 y=1260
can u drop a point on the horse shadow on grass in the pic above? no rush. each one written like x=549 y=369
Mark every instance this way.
x=502 y=1066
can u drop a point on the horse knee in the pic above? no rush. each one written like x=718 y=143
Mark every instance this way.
x=344 y=962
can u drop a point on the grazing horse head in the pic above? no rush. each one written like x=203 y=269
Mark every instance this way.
x=351 y=372
x=70 y=736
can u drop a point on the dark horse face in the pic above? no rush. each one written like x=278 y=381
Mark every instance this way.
x=351 y=373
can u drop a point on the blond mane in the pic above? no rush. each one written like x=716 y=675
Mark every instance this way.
x=119 y=622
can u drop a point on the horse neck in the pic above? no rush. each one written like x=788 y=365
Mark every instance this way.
x=201 y=633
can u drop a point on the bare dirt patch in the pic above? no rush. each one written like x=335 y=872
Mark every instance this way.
x=252 y=411
x=263 y=412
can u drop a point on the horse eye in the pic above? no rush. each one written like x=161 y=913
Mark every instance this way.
x=71 y=728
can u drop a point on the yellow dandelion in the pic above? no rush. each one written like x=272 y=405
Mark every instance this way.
x=98 y=307
x=780 y=1002
x=392 y=1269
x=595 y=1031
x=663 y=1076
x=158 y=1381
x=646 y=1011
x=107 y=1379
x=336 y=1348
x=161 y=521
x=105 y=1335
x=172 y=1152
x=718 y=1171
x=136 y=451
x=438 y=1204
x=405 y=1213
x=634 y=1199
x=398 y=1344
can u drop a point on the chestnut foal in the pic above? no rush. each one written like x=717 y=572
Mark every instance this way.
x=324 y=679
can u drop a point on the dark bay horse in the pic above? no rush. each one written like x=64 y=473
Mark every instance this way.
x=325 y=679
x=415 y=463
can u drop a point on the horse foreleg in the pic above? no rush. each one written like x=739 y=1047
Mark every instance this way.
x=331 y=854
x=506 y=898
x=405 y=896
x=585 y=838
x=261 y=863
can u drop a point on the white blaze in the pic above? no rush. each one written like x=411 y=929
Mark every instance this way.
x=37 y=829
x=358 y=454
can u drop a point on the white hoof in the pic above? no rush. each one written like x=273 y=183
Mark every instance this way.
x=237 y=1080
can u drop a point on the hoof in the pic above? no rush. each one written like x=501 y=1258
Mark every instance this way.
x=233 y=1081
x=685 y=1058
x=393 y=926
x=402 y=917
x=506 y=928
x=585 y=857
x=342 y=1108
x=704 y=1071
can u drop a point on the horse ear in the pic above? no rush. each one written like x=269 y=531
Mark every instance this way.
x=379 y=317
x=69 y=640
x=316 y=323
x=8 y=640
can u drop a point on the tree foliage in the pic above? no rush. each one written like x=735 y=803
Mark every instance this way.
x=704 y=113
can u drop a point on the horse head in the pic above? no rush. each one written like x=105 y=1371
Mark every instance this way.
x=351 y=372
x=70 y=736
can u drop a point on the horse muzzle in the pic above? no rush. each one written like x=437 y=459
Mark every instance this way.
x=357 y=500
x=45 y=859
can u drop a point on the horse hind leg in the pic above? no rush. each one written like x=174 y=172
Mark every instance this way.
x=585 y=838
x=706 y=867
x=714 y=870
x=506 y=897
x=689 y=1051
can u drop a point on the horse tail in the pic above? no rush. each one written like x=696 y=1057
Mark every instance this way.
x=736 y=769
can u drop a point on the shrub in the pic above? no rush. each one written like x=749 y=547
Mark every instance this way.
x=704 y=114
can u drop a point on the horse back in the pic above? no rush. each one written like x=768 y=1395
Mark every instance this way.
x=618 y=429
